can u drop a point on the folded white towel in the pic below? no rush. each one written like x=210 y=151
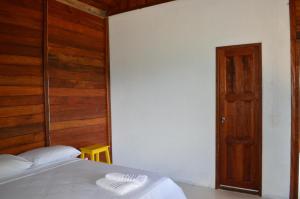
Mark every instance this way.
x=120 y=177
x=120 y=188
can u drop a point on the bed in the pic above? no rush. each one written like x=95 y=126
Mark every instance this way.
x=74 y=178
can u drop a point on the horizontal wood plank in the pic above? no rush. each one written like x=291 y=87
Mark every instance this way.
x=11 y=29
x=97 y=107
x=17 y=91
x=21 y=120
x=77 y=100
x=21 y=50
x=75 y=62
x=77 y=114
x=76 y=92
x=30 y=8
x=73 y=51
x=22 y=40
x=8 y=132
x=82 y=136
x=21 y=110
x=8 y=101
x=19 y=60
x=58 y=83
x=17 y=149
x=20 y=70
x=21 y=140
x=21 y=81
x=56 y=73
x=77 y=123
x=10 y=16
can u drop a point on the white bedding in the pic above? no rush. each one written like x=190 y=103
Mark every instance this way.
x=76 y=179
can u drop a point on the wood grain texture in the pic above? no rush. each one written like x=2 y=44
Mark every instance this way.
x=12 y=101
x=14 y=111
x=239 y=118
x=82 y=136
x=77 y=71
x=295 y=61
x=108 y=98
x=295 y=14
x=46 y=73
x=21 y=82
x=103 y=4
x=119 y=6
x=53 y=67
x=84 y=7
x=128 y=5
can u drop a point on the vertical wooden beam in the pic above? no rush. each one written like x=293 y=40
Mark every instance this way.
x=108 y=100
x=295 y=105
x=46 y=76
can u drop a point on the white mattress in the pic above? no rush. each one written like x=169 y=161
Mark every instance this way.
x=75 y=179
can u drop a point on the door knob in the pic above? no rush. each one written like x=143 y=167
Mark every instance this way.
x=223 y=119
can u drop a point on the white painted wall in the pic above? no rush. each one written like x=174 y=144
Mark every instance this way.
x=163 y=86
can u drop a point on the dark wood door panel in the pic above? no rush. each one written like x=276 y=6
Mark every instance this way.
x=239 y=118
x=295 y=56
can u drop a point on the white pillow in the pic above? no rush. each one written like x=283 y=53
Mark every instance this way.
x=46 y=155
x=11 y=165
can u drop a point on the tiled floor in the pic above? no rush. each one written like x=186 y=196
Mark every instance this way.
x=194 y=192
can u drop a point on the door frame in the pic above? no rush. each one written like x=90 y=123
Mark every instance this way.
x=259 y=46
x=294 y=105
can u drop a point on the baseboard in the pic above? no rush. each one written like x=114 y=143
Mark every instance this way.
x=190 y=182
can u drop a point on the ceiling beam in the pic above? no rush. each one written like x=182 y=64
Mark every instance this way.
x=128 y=5
x=84 y=7
x=101 y=4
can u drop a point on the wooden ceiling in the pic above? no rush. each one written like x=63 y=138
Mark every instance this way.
x=118 y=6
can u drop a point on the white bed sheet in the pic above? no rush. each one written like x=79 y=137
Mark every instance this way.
x=75 y=179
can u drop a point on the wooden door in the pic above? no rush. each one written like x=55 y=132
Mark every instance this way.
x=239 y=118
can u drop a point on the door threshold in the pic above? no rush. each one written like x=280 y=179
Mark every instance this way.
x=239 y=189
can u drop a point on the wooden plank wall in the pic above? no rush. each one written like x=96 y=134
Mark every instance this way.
x=77 y=74
x=75 y=52
x=21 y=75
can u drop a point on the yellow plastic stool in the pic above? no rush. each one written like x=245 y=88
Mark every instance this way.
x=94 y=152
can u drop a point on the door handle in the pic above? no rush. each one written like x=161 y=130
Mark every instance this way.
x=223 y=119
